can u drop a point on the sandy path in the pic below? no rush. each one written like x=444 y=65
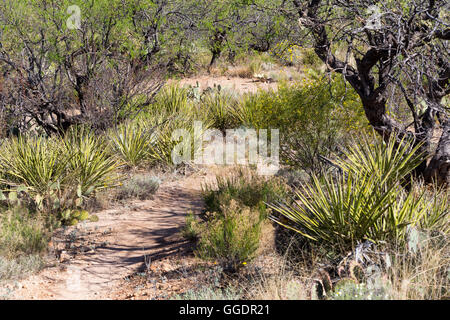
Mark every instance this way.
x=233 y=84
x=151 y=230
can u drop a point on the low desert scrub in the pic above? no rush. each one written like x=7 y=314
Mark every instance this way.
x=210 y=293
x=20 y=267
x=23 y=240
x=283 y=284
x=231 y=237
x=422 y=272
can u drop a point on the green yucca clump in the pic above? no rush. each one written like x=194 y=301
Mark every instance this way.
x=57 y=172
x=165 y=125
x=91 y=164
x=37 y=163
x=366 y=202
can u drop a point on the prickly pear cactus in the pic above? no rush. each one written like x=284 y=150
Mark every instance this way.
x=84 y=215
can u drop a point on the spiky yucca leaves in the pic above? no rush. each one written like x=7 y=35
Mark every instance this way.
x=91 y=163
x=171 y=98
x=220 y=108
x=36 y=163
x=366 y=202
x=389 y=162
x=131 y=142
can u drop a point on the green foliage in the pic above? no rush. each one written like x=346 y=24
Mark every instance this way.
x=245 y=187
x=236 y=209
x=230 y=238
x=55 y=173
x=366 y=202
x=73 y=217
x=171 y=99
x=324 y=115
x=219 y=105
x=21 y=233
x=90 y=162
x=37 y=163
x=190 y=230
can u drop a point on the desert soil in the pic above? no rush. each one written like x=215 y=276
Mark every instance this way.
x=234 y=84
x=121 y=243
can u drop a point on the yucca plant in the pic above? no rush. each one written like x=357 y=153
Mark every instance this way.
x=91 y=162
x=172 y=98
x=131 y=142
x=389 y=161
x=164 y=125
x=220 y=107
x=366 y=202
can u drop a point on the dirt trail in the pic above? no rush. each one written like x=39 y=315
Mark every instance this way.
x=151 y=230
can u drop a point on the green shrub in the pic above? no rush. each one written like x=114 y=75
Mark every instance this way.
x=314 y=117
x=190 y=230
x=366 y=202
x=245 y=187
x=21 y=234
x=131 y=142
x=230 y=238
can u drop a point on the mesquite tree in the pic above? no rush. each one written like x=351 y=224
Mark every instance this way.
x=93 y=70
x=395 y=55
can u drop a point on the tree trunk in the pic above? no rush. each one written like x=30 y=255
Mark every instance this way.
x=439 y=167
